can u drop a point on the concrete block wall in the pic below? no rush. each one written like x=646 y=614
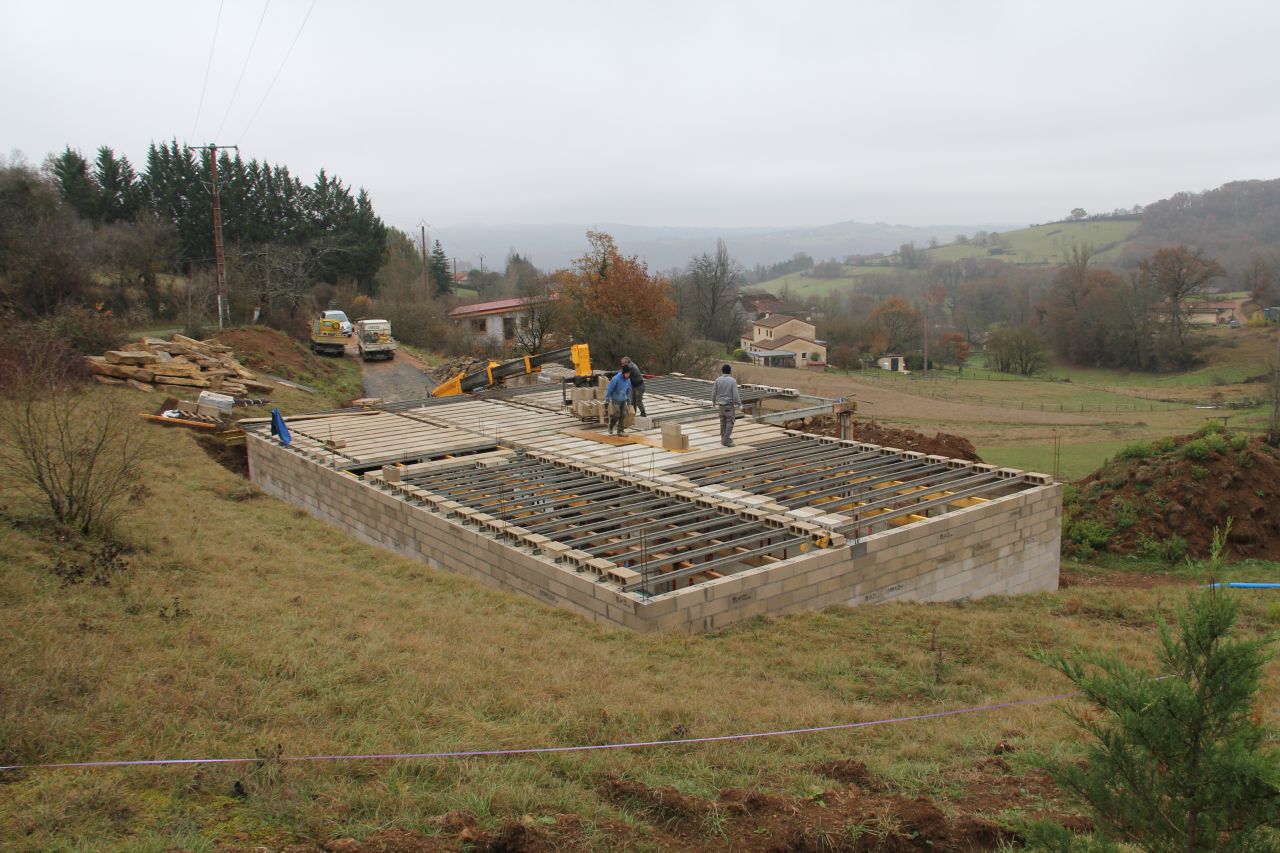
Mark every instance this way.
x=1009 y=545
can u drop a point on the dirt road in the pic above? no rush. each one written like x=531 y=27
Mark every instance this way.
x=401 y=378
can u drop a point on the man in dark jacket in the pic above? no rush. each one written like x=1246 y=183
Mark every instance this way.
x=637 y=385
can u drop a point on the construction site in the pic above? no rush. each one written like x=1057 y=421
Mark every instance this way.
x=663 y=528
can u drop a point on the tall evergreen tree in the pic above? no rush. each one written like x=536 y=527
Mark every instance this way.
x=438 y=270
x=75 y=184
x=117 y=187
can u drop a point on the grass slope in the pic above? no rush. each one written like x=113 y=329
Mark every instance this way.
x=1037 y=245
x=240 y=624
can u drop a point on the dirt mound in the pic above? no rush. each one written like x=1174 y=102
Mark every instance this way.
x=942 y=444
x=1164 y=499
x=272 y=351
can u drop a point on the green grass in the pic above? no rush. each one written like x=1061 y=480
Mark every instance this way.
x=1038 y=245
x=242 y=623
x=801 y=286
x=1045 y=244
x=1077 y=460
x=1004 y=391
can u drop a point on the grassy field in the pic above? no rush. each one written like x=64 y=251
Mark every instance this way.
x=1045 y=244
x=1038 y=245
x=798 y=286
x=238 y=625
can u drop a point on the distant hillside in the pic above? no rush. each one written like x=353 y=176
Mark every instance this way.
x=1234 y=224
x=552 y=246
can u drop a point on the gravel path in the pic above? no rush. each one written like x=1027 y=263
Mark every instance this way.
x=401 y=378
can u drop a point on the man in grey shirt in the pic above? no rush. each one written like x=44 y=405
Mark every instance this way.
x=724 y=393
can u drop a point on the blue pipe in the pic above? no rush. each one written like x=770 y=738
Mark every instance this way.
x=1244 y=585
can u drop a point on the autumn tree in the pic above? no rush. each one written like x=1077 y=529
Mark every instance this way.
x=951 y=349
x=1178 y=273
x=900 y=323
x=614 y=303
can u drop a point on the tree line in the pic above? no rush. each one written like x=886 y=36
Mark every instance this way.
x=263 y=206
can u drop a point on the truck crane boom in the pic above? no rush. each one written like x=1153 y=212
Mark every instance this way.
x=494 y=372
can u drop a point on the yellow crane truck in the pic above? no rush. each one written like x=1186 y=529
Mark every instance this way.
x=327 y=337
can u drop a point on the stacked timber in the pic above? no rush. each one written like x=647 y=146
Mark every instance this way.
x=176 y=366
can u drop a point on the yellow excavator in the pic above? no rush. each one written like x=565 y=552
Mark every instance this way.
x=579 y=355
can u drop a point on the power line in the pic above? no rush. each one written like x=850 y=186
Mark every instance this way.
x=271 y=86
x=208 y=66
x=244 y=68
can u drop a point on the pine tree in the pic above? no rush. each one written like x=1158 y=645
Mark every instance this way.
x=1176 y=762
x=74 y=183
x=438 y=270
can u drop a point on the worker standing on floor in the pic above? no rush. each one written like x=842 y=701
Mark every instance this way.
x=724 y=393
x=617 y=394
x=634 y=374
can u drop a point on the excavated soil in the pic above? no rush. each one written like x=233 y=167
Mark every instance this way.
x=1179 y=490
x=860 y=813
x=272 y=351
x=942 y=444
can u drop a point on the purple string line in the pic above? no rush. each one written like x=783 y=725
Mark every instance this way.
x=531 y=750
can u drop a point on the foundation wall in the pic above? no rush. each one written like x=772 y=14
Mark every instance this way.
x=1006 y=546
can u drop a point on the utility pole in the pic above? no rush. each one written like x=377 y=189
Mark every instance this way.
x=220 y=264
x=926 y=336
x=480 y=283
x=423 y=224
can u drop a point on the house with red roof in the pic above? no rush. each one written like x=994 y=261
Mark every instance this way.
x=497 y=320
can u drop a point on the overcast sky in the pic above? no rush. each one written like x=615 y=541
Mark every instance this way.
x=692 y=112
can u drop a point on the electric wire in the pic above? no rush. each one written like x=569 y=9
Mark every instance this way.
x=272 y=84
x=243 y=68
x=207 y=68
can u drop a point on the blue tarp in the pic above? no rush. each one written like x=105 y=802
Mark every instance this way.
x=278 y=427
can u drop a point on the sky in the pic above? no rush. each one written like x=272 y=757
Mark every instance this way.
x=651 y=112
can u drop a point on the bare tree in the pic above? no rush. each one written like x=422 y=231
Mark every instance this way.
x=80 y=450
x=541 y=315
x=709 y=294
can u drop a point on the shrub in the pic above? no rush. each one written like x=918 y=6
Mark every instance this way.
x=1086 y=534
x=1217 y=443
x=1171 y=550
x=1199 y=472
x=1141 y=450
x=78 y=450
x=1124 y=514
x=1244 y=459
x=1165 y=445
x=1239 y=442
x=1210 y=429
x=86 y=330
x=1196 y=450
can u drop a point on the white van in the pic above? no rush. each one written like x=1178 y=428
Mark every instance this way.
x=341 y=317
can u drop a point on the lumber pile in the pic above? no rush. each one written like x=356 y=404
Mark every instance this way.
x=176 y=367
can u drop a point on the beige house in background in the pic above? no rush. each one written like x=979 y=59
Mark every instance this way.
x=780 y=340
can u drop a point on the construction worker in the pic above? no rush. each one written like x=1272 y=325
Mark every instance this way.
x=724 y=393
x=616 y=395
x=636 y=376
